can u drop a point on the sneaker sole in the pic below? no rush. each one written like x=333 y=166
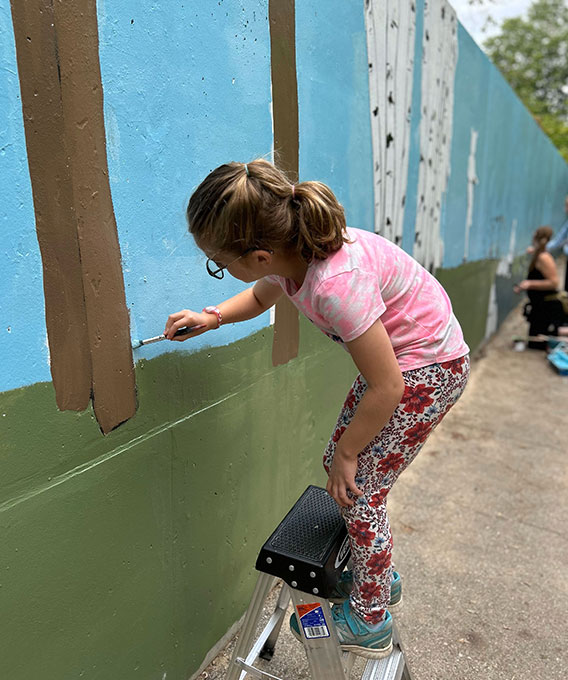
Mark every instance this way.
x=366 y=652
x=395 y=606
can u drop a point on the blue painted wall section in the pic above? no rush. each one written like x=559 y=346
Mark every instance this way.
x=23 y=342
x=520 y=174
x=335 y=131
x=185 y=90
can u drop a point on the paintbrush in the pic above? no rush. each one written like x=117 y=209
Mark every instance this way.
x=158 y=338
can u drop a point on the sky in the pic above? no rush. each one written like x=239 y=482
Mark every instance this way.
x=473 y=15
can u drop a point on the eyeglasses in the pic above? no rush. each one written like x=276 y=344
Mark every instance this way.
x=219 y=272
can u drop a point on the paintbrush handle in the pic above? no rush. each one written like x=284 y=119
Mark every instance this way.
x=182 y=331
x=189 y=329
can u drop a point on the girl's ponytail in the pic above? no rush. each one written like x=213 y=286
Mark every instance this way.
x=320 y=221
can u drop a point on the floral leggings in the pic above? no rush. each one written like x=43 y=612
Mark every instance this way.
x=429 y=394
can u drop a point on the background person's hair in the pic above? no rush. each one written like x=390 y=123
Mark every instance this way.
x=540 y=238
x=234 y=211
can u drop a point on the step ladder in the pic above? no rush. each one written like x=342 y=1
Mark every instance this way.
x=308 y=551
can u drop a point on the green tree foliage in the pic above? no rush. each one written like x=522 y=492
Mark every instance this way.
x=532 y=54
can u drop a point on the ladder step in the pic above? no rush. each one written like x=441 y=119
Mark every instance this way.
x=390 y=668
x=310 y=547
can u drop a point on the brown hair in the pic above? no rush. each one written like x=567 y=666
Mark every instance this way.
x=540 y=237
x=238 y=207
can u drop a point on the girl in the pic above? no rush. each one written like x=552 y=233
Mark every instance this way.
x=543 y=311
x=388 y=312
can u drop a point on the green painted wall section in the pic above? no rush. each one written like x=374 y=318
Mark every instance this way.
x=506 y=298
x=469 y=287
x=129 y=556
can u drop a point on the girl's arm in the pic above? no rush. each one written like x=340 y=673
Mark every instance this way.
x=245 y=305
x=374 y=356
x=547 y=267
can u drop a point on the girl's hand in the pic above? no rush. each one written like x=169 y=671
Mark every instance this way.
x=523 y=285
x=188 y=318
x=342 y=478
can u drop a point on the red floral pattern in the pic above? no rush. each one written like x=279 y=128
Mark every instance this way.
x=359 y=531
x=351 y=400
x=429 y=394
x=417 y=434
x=378 y=562
x=375 y=616
x=456 y=366
x=378 y=498
x=369 y=590
x=337 y=434
x=417 y=398
x=392 y=462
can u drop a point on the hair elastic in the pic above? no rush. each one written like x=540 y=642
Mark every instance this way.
x=247 y=169
x=293 y=192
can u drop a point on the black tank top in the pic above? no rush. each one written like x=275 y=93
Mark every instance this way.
x=537 y=296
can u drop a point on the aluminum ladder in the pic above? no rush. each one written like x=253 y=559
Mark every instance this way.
x=308 y=551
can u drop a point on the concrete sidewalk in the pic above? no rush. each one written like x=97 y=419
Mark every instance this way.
x=480 y=524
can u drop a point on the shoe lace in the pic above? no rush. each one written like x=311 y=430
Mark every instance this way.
x=342 y=618
x=338 y=615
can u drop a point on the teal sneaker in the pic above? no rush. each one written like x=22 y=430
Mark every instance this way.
x=344 y=587
x=371 y=642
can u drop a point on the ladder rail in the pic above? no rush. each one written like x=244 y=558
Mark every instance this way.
x=323 y=653
x=270 y=631
x=266 y=651
x=252 y=617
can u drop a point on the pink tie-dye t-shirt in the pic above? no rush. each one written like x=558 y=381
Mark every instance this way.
x=371 y=278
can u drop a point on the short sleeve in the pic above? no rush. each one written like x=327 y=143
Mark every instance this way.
x=274 y=280
x=350 y=303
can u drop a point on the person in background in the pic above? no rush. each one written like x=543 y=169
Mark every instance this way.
x=559 y=244
x=544 y=315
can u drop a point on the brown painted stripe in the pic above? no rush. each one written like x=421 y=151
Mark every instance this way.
x=282 y=20
x=66 y=54
x=36 y=47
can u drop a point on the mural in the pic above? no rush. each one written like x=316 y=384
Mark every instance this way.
x=111 y=113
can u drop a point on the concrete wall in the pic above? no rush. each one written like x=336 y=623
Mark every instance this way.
x=129 y=555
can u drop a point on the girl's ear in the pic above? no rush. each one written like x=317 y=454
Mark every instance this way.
x=263 y=256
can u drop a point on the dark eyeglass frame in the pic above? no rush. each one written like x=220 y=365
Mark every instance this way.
x=219 y=273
